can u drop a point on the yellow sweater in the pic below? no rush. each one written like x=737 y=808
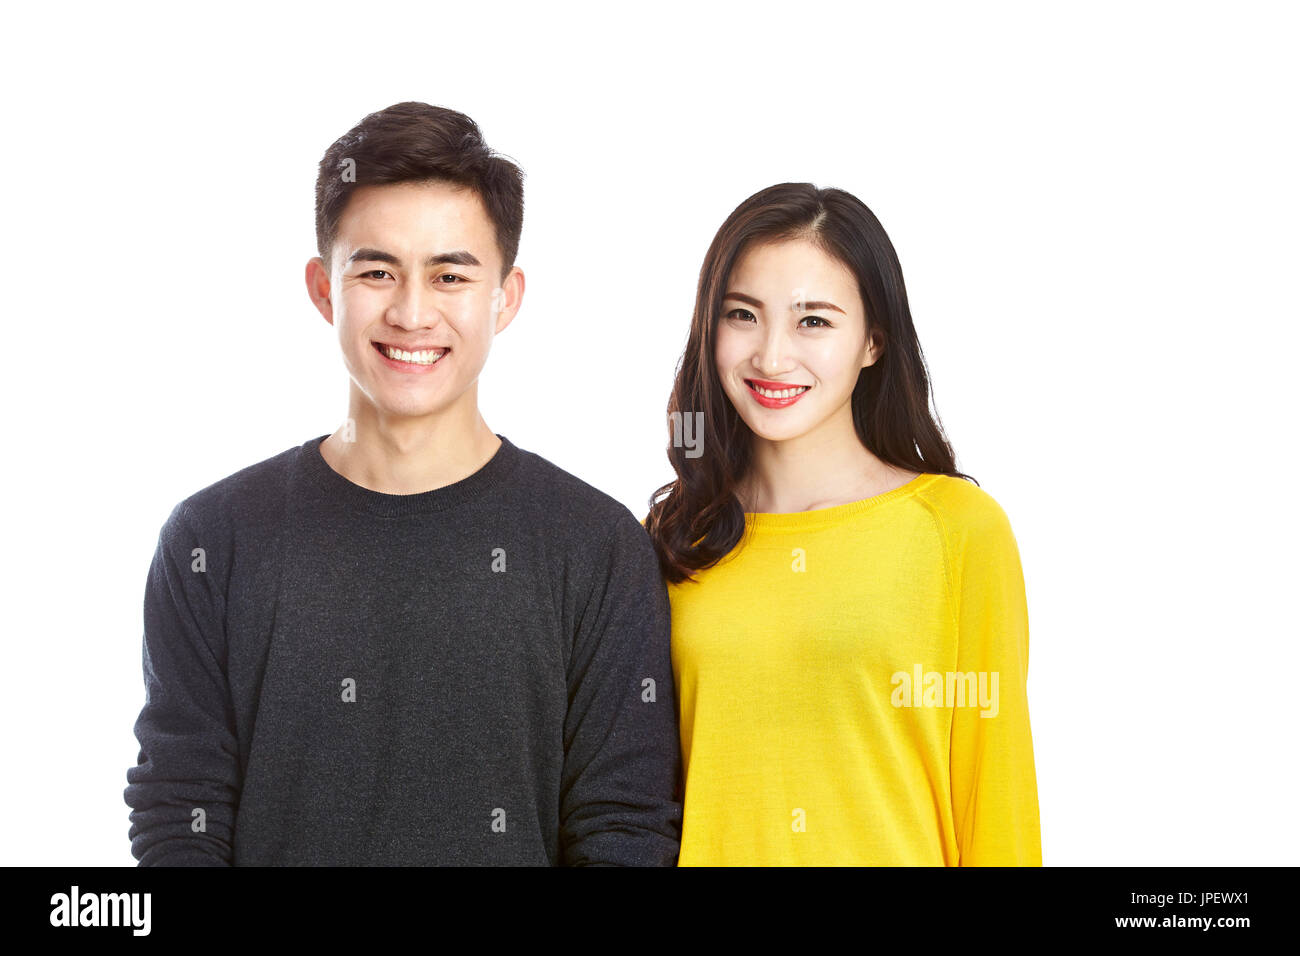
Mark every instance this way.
x=851 y=684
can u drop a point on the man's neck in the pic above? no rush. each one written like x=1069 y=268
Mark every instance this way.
x=407 y=458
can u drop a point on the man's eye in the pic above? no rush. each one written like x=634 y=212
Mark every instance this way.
x=743 y=313
x=374 y=272
x=449 y=275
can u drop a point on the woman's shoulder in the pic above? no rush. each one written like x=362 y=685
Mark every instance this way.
x=964 y=508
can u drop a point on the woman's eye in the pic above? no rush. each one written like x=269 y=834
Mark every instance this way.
x=740 y=314
x=817 y=318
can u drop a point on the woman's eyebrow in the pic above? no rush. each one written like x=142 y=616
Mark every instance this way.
x=806 y=306
x=818 y=306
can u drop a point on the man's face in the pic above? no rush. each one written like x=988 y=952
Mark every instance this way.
x=415 y=295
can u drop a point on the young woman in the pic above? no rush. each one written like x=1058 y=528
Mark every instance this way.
x=849 y=625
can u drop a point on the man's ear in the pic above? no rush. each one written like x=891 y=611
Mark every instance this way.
x=507 y=298
x=318 y=287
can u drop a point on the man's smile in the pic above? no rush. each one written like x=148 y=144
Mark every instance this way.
x=410 y=359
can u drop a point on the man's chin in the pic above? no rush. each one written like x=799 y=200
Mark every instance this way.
x=413 y=400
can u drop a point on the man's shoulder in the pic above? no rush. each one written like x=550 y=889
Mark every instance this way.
x=572 y=503
x=253 y=493
x=589 y=532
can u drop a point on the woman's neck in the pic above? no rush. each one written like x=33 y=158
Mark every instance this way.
x=811 y=472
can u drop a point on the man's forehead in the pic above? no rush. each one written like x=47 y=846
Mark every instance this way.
x=444 y=199
x=406 y=223
x=405 y=211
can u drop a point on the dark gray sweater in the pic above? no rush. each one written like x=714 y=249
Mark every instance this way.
x=477 y=674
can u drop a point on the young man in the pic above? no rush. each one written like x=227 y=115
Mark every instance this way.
x=409 y=642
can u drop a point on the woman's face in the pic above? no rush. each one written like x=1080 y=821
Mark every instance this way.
x=791 y=339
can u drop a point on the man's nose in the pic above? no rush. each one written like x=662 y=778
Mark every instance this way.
x=416 y=306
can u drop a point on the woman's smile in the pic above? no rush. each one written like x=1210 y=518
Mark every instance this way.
x=775 y=394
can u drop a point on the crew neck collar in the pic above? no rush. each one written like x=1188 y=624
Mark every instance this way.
x=471 y=488
x=804 y=520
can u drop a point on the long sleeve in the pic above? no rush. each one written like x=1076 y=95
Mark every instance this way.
x=621 y=748
x=994 y=786
x=189 y=755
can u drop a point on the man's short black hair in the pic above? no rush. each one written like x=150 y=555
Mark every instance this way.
x=416 y=142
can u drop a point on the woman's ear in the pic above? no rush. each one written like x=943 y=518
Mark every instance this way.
x=874 y=348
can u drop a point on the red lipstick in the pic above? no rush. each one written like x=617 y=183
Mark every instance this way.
x=768 y=401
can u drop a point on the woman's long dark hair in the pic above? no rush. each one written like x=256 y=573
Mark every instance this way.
x=697 y=519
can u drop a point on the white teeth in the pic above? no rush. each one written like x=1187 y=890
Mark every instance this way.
x=427 y=357
x=782 y=393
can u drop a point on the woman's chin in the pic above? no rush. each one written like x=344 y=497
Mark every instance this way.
x=769 y=430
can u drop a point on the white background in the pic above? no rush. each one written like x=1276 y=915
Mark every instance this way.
x=1095 y=206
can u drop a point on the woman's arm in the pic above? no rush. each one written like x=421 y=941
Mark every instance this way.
x=994 y=787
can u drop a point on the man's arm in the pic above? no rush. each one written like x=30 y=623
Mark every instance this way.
x=622 y=760
x=189 y=753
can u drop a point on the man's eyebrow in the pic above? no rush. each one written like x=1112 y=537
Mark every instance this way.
x=807 y=306
x=461 y=257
